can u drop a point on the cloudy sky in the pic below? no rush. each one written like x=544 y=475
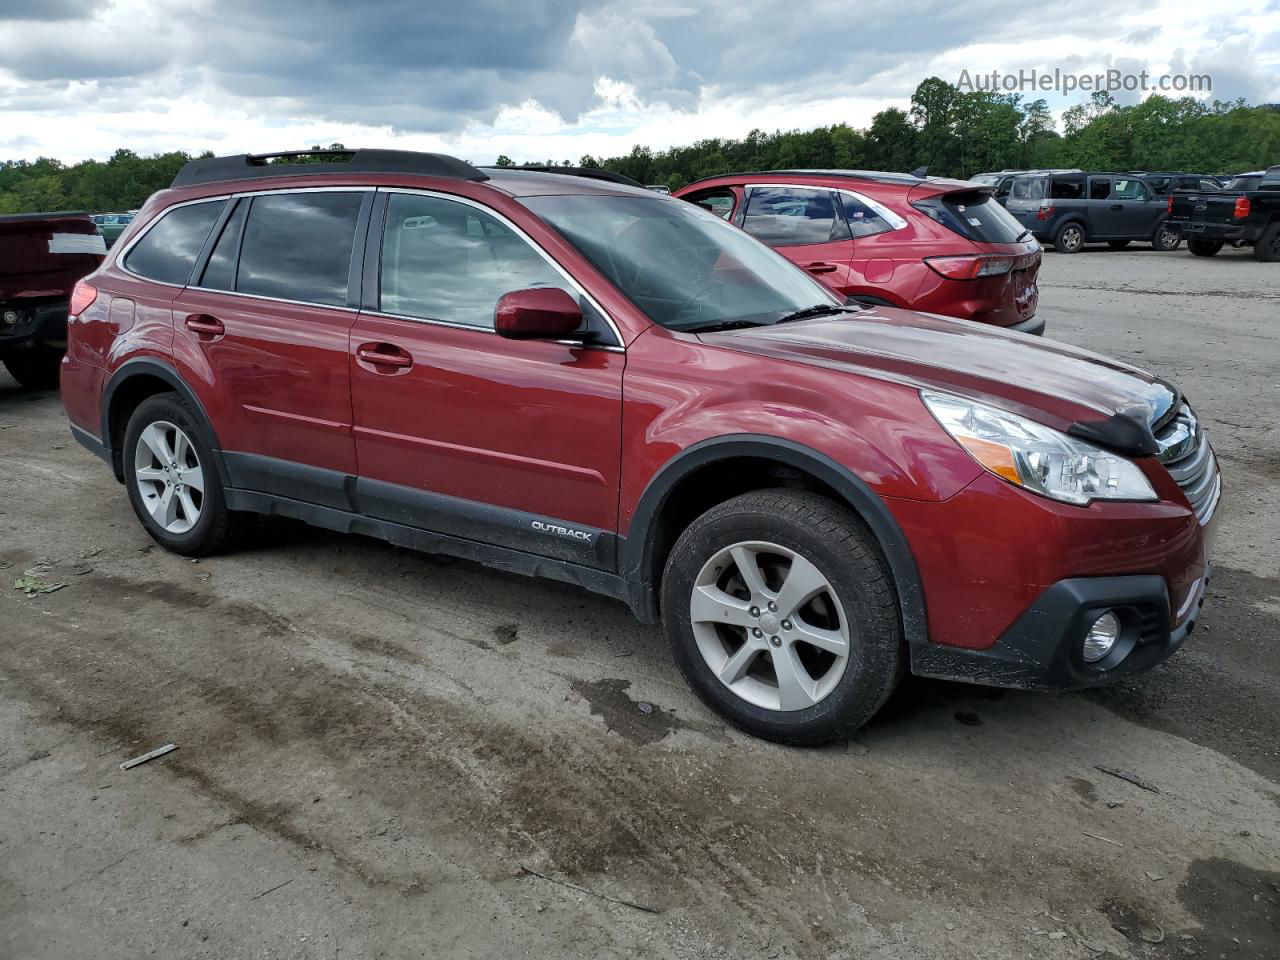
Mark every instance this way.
x=538 y=79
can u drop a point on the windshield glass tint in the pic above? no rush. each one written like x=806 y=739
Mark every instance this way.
x=682 y=266
x=974 y=215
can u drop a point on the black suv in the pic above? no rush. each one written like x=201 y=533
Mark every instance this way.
x=1164 y=182
x=1069 y=210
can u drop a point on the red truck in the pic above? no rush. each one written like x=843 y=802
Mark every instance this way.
x=42 y=255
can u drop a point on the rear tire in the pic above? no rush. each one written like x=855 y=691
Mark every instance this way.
x=1069 y=238
x=1165 y=239
x=1203 y=248
x=834 y=627
x=172 y=480
x=1267 y=249
x=35 y=367
x=1117 y=244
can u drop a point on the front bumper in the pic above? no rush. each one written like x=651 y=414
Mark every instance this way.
x=23 y=322
x=1042 y=649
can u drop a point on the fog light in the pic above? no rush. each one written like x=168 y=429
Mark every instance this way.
x=1101 y=638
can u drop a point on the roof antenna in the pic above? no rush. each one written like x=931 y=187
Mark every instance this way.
x=920 y=172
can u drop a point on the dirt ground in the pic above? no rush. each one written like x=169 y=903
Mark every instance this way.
x=385 y=755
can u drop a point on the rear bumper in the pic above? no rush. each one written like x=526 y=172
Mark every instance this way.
x=1042 y=649
x=23 y=322
x=1214 y=231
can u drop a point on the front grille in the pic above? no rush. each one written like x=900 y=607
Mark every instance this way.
x=1187 y=455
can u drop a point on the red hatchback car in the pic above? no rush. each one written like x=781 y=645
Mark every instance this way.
x=890 y=239
x=584 y=380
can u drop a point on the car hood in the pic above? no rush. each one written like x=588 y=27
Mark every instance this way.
x=1073 y=390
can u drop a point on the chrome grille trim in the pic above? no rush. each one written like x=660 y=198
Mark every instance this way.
x=1187 y=455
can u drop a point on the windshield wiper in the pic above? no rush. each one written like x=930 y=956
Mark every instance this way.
x=817 y=310
x=722 y=325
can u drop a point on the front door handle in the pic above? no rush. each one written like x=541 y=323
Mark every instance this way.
x=385 y=356
x=205 y=327
x=820 y=267
x=1117 y=206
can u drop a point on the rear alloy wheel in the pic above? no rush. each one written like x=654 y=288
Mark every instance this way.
x=170 y=476
x=35 y=367
x=1267 y=249
x=1166 y=239
x=780 y=613
x=1203 y=248
x=1069 y=239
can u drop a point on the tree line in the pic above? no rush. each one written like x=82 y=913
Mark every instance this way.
x=952 y=132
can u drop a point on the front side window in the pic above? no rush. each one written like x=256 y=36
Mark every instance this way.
x=682 y=266
x=297 y=246
x=786 y=216
x=168 y=250
x=1129 y=190
x=444 y=260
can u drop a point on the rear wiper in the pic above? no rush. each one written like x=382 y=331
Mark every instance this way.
x=1022 y=236
x=722 y=325
x=817 y=310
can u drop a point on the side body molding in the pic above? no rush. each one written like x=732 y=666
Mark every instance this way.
x=636 y=559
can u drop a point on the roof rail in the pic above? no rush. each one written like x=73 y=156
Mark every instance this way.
x=591 y=173
x=253 y=166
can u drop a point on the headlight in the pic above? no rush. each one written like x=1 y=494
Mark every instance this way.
x=1037 y=457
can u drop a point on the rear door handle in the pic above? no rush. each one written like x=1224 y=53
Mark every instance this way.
x=205 y=326
x=385 y=355
x=820 y=267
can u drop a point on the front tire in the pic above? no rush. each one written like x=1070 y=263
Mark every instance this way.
x=35 y=367
x=1267 y=249
x=1069 y=238
x=171 y=478
x=1203 y=248
x=782 y=616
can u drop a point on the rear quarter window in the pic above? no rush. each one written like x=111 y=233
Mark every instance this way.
x=168 y=250
x=1027 y=188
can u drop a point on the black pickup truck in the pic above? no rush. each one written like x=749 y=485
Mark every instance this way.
x=1245 y=211
x=42 y=255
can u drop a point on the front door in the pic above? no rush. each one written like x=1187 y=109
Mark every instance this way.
x=464 y=432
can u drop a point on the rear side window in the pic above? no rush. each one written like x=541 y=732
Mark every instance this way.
x=863 y=219
x=976 y=215
x=297 y=246
x=168 y=250
x=1062 y=188
x=1027 y=188
x=1099 y=188
x=785 y=216
x=220 y=272
x=443 y=260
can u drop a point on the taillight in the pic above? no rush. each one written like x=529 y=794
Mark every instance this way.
x=82 y=297
x=970 y=267
x=1242 y=208
x=1045 y=211
x=1170 y=203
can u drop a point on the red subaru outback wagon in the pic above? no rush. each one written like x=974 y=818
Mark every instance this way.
x=891 y=239
x=584 y=380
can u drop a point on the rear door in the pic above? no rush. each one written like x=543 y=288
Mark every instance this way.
x=266 y=326
x=1104 y=213
x=804 y=224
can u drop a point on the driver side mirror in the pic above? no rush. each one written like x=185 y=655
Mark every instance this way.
x=539 y=313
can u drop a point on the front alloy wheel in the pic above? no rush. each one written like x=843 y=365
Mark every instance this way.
x=768 y=624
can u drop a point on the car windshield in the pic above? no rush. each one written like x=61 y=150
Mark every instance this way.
x=990 y=179
x=1243 y=183
x=685 y=268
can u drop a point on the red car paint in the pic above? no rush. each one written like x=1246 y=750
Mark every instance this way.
x=891 y=267
x=585 y=434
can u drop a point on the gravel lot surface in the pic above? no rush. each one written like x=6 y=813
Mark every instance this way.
x=385 y=755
